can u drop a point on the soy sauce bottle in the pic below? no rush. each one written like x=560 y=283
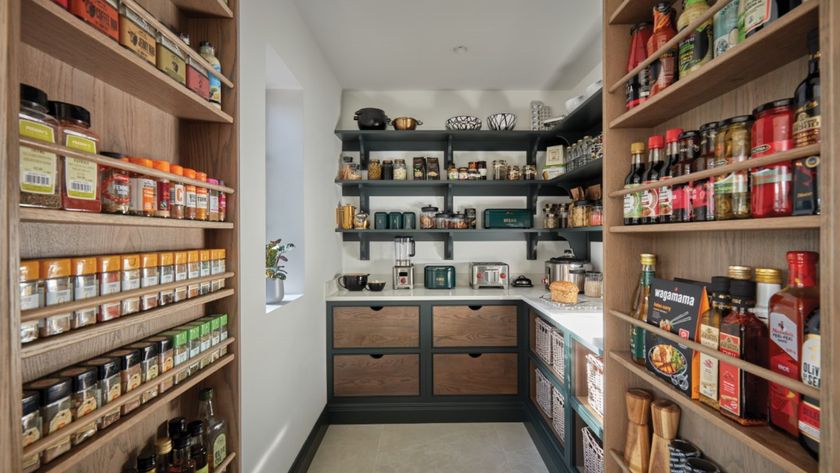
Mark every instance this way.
x=656 y=162
x=633 y=201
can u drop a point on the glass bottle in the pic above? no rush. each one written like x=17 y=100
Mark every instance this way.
x=114 y=187
x=146 y=464
x=788 y=311
x=212 y=201
x=199 y=455
x=40 y=171
x=710 y=337
x=189 y=196
x=696 y=50
x=656 y=161
x=682 y=193
x=80 y=191
x=695 y=192
x=143 y=190
x=663 y=71
x=768 y=282
x=672 y=157
x=638 y=87
x=806 y=131
x=743 y=396
x=215 y=429
x=809 y=409
x=755 y=15
x=708 y=136
x=181 y=461
x=208 y=52
x=163 y=449
x=162 y=194
x=640 y=308
x=633 y=201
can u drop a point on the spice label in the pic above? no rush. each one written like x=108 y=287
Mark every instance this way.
x=37 y=168
x=806 y=125
x=219 y=450
x=60 y=420
x=80 y=176
x=167 y=276
x=632 y=203
x=696 y=49
x=665 y=202
x=214 y=204
x=190 y=194
x=133 y=381
x=130 y=306
x=809 y=420
x=87 y=406
x=730 y=376
x=177 y=194
x=29 y=302
x=59 y=297
x=109 y=311
x=726 y=28
x=168 y=364
x=113 y=389
x=150 y=281
x=86 y=292
x=771 y=175
x=811 y=360
x=109 y=287
x=201 y=200
x=753 y=14
x=783 y=334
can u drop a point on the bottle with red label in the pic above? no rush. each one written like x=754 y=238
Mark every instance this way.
x=771 y=185
x=638 y=87
x=672 y=158
x=788 y=310
x=681 y=193
x=663 y=71
x=656 y=161
x=809 y=409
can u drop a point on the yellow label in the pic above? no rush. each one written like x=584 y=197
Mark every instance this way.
x=80 y=175
x=134 y=382
x=86 y=407
x=37 y=168
x=219 y=450
x=61 y=419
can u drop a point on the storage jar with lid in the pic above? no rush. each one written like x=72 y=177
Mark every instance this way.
x=103 y=15
x=166 y=272
x=31 y=297
x=166 y=359
x=202 y=201
x=770 y=186
x=208 y=52
x=596 y=217
x=136 y=34
x=162 y=195
x=85 y=398
x=190 y=210
x=400 y=170
x=374 y=170
x=581 y=213
x=463 y=174
x=80 y=191
x=387 y=170
x=223 y=326
x=150 y=277
x=194 y=344
x=181 y=273
x=197 y=79
x=452 y=173
x=149 y=369
x=130 y=375
x=733 y=144
x=204 y=270
x=170 y=59
x=142 y=189
x=31 y=429
x=219 y=284
x=529 y=172
x=41 y=172
x=110 y=386
x=360 y=221
x=58 y=289
x=114 y=187
x=458 y=221
x=109 y=268
x=593 y=285
x=56 y=410
x=193 y=265
x=441 y=220
x=86 y=286
x=514 y=174
x=177 y=194
x=500 y=170
x=212 y=201
x=178 y=338
x=708 y=145
x=130 y=281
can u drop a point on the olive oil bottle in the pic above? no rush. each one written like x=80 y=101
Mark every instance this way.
x=640 y=308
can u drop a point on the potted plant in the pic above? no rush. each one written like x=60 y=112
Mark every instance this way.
x=275 y=270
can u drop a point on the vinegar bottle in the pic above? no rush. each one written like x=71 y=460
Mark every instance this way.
x=640 y=308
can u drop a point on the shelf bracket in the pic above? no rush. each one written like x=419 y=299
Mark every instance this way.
x=364 y=199
x=364 y=153
x=531 y=158
x=532 y=239
x=364 y=247
x=448 y=156
x=449 y=204
x=533 y=194
x=449 y=247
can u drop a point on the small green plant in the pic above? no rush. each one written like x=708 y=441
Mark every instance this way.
x=274 y=259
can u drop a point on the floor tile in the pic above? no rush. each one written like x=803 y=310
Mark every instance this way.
x=347 y=449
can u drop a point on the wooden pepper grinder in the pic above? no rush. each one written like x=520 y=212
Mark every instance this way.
x=637 y=446
x=666 y=424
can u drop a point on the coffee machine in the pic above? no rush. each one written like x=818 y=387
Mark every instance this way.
x=403 y=268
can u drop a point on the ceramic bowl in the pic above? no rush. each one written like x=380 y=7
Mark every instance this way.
x=463 y=122
x=376 y=286
x=501 y=121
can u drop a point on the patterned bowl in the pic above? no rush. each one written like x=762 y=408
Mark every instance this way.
x=501 y=121
x=463 y=122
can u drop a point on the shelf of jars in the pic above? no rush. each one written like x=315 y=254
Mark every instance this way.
x=85 y=218
x=812 y=222
x=212 y=8
x=632 y=12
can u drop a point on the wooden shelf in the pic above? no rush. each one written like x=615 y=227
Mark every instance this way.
x=762 y=372
x=69 y=460
x=750 y=224
x=87 y=218
x=618 y=458
x=227 y=461
x=585 y=410
x=776 y=446
x=217 y=8
x=729 y=71
x=631 y=12
x=54 y=30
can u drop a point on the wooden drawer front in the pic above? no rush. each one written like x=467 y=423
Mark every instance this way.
x=376 y=375
x=363 y=327
x=474 y=326
x=463 y=374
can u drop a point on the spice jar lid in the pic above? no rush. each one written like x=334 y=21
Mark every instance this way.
x=163 y=446
x=112 y=154
x=83 y=377
x=162 y=343
x=689 y=134
x=223 y=319
x=724 y=123
x=69 y=112
x=581 y=203
x=162 y=166
x=55 y=268
x=166 y=258
x=84 y=266
x=637 y=148
x=648 y=259
x=33 y=95
x=51 y=389
x=706 y=127
x=130 y=262
x=149 y=260
x=192 y=256
x=31 y=402
x=108 y=264
x=429 y=209
x=189 y=173
x=177 y=337
x=740 y=272
x=126 y=357
x=201 y=176
x=105 y=366
x=29 y=271
x=145 y=162
x=214 y=254
x=147 y=349
x=180 y=257
x=222 y=253
x=768 y=275
x=210 y=180
x=176 y=169
x=204 y=255
x=740 y=119
x=774 y=104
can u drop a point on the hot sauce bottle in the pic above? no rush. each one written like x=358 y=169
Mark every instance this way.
x=656 y=162
x=663 y=71
x=672 y=158
x=638 y=87
x=788 y=311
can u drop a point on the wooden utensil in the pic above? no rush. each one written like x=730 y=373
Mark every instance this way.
x=666 y=423
x=637 y=443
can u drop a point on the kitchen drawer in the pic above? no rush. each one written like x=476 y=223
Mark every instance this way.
x=475 y=374
x=474 y=326
x=376 y=375
x=380 y=327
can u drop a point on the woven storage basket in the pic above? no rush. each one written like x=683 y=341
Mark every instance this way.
x=558 y=354
x=558 y=420
x=593 y=452
x=543 y=393
x=543 y=341
x=595 y=383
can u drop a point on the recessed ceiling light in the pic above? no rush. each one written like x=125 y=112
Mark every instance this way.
x=461 y=49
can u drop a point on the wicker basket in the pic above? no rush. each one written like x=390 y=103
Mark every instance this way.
x=543 y=393
x=558 y=354
x=593 y=452
x=595 y=383
x=543 y=340
x=558 y=420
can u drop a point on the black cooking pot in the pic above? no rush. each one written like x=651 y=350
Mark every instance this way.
x=353 y=282
x=372 y=119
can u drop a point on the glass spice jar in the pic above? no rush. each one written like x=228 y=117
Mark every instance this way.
x=482 y=170
x=458 y=221
x=166 y=271
x=85 y=398
x=180 y=350
x=31 y=297
x=163 y=191
x=31 y=429
x=149 y=278
x=204 y=271
x=56 y=410
x=80 y=191
x=581 y=213
x=388 y=170
x=130 y=375
x=463 y=174
x=166 y=359
x=86 y=286
x=190 y=210
x=110 y=387
x=142 y=189
x=41 y=172
x=514 y=174
x=222 y=203
x=427 y=217
x=500 y=170
x=400 y=171
x=551 y=220
x=58 y=289
x=109 y=268
x=177 y=194
x=529 y=172
x=201 y=198
x=771 y=186
x=114 y=187
x=452 y=173
x=149 y=369
x=441 y=220
x=181 y=266
x=130 y=281
x=212 y=201
x=733 y=144
x=596 y=217
x=374 y=170
x=223 y=326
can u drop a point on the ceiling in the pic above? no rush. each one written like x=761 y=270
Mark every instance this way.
x=511 y=44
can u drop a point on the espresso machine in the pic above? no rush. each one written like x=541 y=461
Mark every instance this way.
x=403 y=268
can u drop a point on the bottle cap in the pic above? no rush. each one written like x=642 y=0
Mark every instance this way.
x=33 y=95
x=177 y=426
x=637 y=148
x=163 y=446
x=29 y=271
x=673 y=134
x=656 y=142
x=742 y=289
x=802 y=257
x=162 y=166
x=206 y=394
x=720 y=284
x=768 y=275
x=70 y=112
x=648 y=259
x=181 y=441
x=743 y=273
x=195 y=427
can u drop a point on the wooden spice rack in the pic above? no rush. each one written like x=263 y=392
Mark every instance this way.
x=212 y=8
x=86 y=218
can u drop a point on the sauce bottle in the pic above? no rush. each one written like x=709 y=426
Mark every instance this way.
x=696 y=50
x=788 y=311
x=208 y=52
x=663 y=71
x=809 y=409
x=650 y=197
x=754 y=15
x=681 y=193
x=633 y=202
x=710 y=337
x=806 y=131
x=638 y=87
x=768 y=282
x=672 y=158
x=640 y=308
x=708 y=136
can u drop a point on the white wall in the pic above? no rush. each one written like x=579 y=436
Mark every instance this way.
x=283 y=364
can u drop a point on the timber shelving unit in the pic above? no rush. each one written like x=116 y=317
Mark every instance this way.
x=138 y=110
x=765 y=67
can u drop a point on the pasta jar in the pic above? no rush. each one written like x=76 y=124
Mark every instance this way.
x=190 y=211
x=732 y=194
x=149 y=368
x=131 y=375
x=31 y=429
x=213 y=201
x=166 y=359
x=166 y=272
x=400 y=171
x=80 y=191
x=177 y=194
x=142 y=189
x=771 y=193
x=130 y=281
x=31 y=297
x=374 y=170
x=162 y=195
x=86 y=286
x=110 y=387
x=85 y=398
x=101 y=14
x=58 y=289
x=201 y=198
x=114 y=187
x=40 y=171
x=56 y=410
x=109 y=283
x=581 y=213
x=136 y=34
x=204 y=259
x=149 y=278
x=222 y=203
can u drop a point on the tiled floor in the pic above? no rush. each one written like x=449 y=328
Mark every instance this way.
x=428 y=448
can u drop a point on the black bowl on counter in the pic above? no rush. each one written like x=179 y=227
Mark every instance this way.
x=376 y=286
x=353 y=282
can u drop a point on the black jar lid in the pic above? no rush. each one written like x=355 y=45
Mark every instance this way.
x=740 y=119
x=127 y=358
x=113 y=154
x=774 y=104
x=709 y=126
x=429 y=208
x=689 y=134
x=163 y=344
x=720 y=284
x=195 y=427
x=177 y=427
x=742 y=289
x=31 y=402
x=146 y=462
x=33 y=95
x=147 y=349
x=68 y=111
x=724 y=123
x=51 y=389
x=105 y=367
x=581 y=203
x=83 y=377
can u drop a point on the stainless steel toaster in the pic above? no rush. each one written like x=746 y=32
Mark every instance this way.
x=489 y=275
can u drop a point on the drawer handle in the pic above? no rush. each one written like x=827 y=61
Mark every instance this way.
x=474 y=355
x=377 y=356
x=376 y=308
x=475 y=307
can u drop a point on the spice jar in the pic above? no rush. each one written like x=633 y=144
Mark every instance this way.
x=131 y=375
x=441 y=220
x=733 y=144
x=222 y=266
x=223 y=327
x=136 y=34
x=80 y=191
x=197 y=79
x=163 y=192
x=360 y=221
x=204 y=271
x=374 y=170
x=212 y=201
x=202 y=201
x=58 y=289
x=165 y=358
x=86 y=286
x=166 y=271
x=177 y=194
x=101 y=14
x=206 y=338
x=217 y=262
x=529 y=172
x=500 y=170
x=458 y=221
x=109 y=268
x=596 y=217
x=419 y=168
x=593 y=285
x=150 y=277
x=551 y=220
x=190 y=211
x=463 y=174
x=581 y=213
x=472 y=175
x=771 y=193
x=170 y=59
x=142 y=189
x=149 y=369
x=470 y=217
x=514 y=174
x=181 y=266
x=215 y=329
x=31 y=297
x=400 y=171
x=194 y=345
x=114 y=187
x=222 y=203
x=41 y=172
x=31 y=429
x=56 y=410
x=110 y=387
x=85 y=398
x=482 y=170
x=452 y=173
x=130 y=281
x=178 y=339
x=387 y=170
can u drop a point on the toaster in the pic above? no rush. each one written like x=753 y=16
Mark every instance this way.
x=489 y=275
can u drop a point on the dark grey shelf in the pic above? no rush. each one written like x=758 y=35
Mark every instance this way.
x=587 y=118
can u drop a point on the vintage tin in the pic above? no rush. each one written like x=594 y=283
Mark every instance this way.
x=439 y=277
x=101 y=14
x=170 y=59
x=137 y=35
x=197 y=79
x=508 y=218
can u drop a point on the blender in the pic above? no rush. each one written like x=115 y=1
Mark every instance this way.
x=403 y=269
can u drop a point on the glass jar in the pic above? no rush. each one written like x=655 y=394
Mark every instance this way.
x=222 y=203
x=593 y=284
x=514 y=174
x=149 y=277
x=473 y=175
x=31 y=429
x=360 y=221
x=163 y=191
x=213 y=201
x=441 y=220
x=190 y=211
x=110 y=386
x=564 y=215
x=201 y=198
x=181 y=266
x=177 y=194
x=142 y=189
x=56 y=410
x=80 y=191
x=166 y=271
x=41 y=172
x=463 y=174
x=216 y=262
x=58 y=289
x=470 y=216
x=387 y=170
x=400 y=171
x=529 y=172
x=482 y=170
x=374 y=170
x=452 y=173
x=223 y=327
x=86 y=286
x=551 y=220
x=596 y=217
x=130 y=281
x=109 y=268
x=500 y=170
x=733 y=144
x=85 y=398
x=193 y=341
x=581 y=213
x=31 y=297
x=180 y=350
x=193 y=265
x=149 y=369
x=166 y=359
x=130 y=375
x=204 y=266
x=770 y=189
x=458 y=221
x=114 y=187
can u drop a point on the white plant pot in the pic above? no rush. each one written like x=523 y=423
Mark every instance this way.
x=274 y=291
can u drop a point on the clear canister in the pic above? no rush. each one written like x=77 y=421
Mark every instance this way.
x=130 y=281
x=31 y=297
x=58 y=289
x=31 y=429
x=149 y=278
x=149 y=367
x=86 y=286
x=166 y=272
x=85 y=398
x=109 y=283
x=110 y=387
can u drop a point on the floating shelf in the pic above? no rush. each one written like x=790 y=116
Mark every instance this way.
x=586 y=117
x=750 y=224
x=217 y=8
x=772 y=444
x=54 y=30
x=87 y=218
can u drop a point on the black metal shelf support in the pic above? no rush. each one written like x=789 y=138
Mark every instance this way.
x=364 y=153
x=448 y=155
x=364 y=248
x=449 y=247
